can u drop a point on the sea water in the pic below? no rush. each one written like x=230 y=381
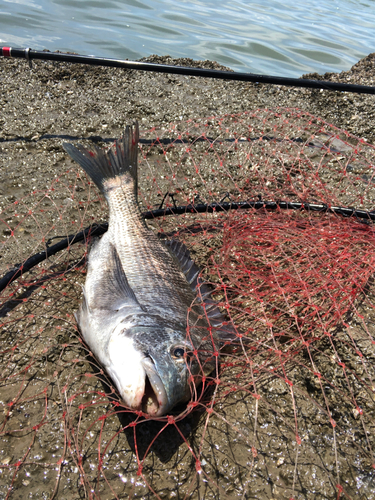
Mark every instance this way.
x=285 y=38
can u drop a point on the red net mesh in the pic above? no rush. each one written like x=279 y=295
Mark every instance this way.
x=291 y=413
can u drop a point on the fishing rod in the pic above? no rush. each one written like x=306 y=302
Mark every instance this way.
x=99 y=229
x=30 y=55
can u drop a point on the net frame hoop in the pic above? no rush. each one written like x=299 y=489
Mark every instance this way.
x=363 y=216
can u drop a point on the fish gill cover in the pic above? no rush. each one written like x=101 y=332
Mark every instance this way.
x=292 y=412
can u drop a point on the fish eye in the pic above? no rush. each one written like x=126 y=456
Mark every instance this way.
x=178 y=352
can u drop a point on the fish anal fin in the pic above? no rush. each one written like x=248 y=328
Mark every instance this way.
x=83 y=312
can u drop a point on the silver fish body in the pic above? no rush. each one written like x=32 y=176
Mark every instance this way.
x=140 y=315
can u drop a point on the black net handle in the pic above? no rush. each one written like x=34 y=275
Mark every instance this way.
x=30 y=55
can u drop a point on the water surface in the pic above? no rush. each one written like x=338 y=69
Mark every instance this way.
x=279 y=38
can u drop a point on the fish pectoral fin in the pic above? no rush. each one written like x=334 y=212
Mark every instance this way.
x=116 y=292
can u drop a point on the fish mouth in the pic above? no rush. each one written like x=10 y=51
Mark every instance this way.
x=155 y=400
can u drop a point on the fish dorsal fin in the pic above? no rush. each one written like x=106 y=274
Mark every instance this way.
x=224 y=328
x=116 y=291
x=188 y=266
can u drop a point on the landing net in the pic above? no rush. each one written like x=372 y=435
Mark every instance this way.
x=291 y=413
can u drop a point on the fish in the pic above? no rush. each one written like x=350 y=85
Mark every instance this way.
x=146 y=314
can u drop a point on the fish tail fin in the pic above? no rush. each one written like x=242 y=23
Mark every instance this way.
x=102 y=166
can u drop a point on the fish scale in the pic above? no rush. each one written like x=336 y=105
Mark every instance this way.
x=150 y=269
x=157 y=281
